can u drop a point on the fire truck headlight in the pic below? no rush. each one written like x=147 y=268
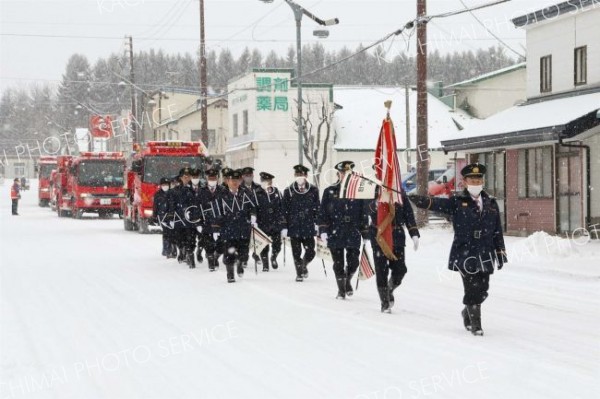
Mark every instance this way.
x=148 y=212
x=85 y=195
x=44 y=190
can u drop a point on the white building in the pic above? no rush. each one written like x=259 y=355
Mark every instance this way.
x=490 y=93
x=262 y=125
x=543 y=155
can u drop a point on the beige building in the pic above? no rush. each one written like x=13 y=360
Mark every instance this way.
x=492 y=92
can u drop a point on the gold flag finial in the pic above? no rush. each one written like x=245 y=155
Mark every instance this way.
x=388 y=104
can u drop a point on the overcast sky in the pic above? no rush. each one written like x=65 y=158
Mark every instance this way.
x=38 y=36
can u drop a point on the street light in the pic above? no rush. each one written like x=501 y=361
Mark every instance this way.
x=299 y=11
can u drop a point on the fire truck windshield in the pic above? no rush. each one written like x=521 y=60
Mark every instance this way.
x=100 y=173
x=46 y=170
x=158 y=166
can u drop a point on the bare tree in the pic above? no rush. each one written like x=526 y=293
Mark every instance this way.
x=317 y=120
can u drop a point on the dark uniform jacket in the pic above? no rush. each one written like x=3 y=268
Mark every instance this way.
x=208 y=207
x=344 y=220
x=404 y=216
x=160 y=207
x=233 y=220
x=182 y=202
x=269 y=213
x=478 y=240
x=300 y=211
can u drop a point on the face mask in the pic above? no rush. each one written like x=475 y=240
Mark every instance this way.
x=164 y=188
x=301 y=180
x=195 y=181
x=475 y=190
x=265 y=185
x=248 y=180
x=212 y=183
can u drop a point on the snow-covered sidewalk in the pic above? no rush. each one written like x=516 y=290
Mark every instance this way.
x=88 y=310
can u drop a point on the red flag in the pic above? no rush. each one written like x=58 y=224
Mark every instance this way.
x=365 y=271
x=387 y=170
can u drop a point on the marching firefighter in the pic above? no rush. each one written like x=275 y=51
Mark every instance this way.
x=300 y=212
x=160 y=212
x=195 y=235
x=403 y=218
x=15 y=196
x=252 y=188
x=209 y=208
x=478 y=245
x=342 y=222
x=183 y=197
x=270 y=218
x=237 y=213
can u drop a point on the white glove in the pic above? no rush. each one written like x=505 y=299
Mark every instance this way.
x=284 y=233
x=324 y=238
x=172 y=224
x=416 y=242
x=253 y=220
x=216 y=236
x=316 y=229
x=199 y=229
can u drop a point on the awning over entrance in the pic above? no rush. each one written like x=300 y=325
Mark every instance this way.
x=531 y=123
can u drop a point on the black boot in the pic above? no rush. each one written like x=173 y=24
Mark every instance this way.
x=190 y=259
x=181 y=256
x=211 y=262
x=391 y=288
x=466 y=319
x=304 y=269
x=256 y=258
x=199 y=255
x=240 y=268
x=349 y=290
x=230 y=276
x=341 y=283
x=274 y=262
x=265 y=263
x=299 y=277
x=474 y=312
x=385 y=299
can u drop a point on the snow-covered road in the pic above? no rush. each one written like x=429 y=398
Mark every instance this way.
x=88 y=310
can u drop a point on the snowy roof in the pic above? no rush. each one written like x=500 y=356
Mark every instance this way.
x=358 y=123
x=489 y=75
x=553 y=11
x=529 y=122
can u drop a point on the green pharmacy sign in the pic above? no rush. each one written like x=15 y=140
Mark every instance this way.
x=271 y=101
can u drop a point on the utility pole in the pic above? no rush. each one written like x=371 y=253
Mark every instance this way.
x=134 y=121
x=406 y=98
x=422 y=140
x=203 y=88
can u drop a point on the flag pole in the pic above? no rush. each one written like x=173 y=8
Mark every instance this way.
x=377 y=183
x=254 y=252
x=324 y=270
x=283 y=239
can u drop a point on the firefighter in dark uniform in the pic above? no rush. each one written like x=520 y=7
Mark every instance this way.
x=168 y=225
x=300 y=213
x=269 y=218
x=195 y=235
x=237 y=212
x=183 y=195
x=252 y=188
x=160 y=211
x=342 y=222
x=403 y=218
x=209 y=212
x=225 y=172
x=478 y=245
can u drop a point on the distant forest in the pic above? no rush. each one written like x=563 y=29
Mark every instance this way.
x=31 y=112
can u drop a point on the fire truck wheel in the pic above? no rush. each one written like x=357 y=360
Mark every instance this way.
x=77 y=213
x=128 y=224
x=143 y=226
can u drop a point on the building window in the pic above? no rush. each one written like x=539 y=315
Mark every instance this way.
x=19 y=168
x=580 y=65
x=245 y=122
x=535 y=173
x=235 y=125
x=546 y=74
x=212 y=140
x=494 y=176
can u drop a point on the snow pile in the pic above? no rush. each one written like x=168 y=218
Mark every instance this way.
x=543 y=245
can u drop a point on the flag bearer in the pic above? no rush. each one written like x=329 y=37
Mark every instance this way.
x=270 y=218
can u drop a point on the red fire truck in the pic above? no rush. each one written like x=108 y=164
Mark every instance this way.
x=44 y=168
x=148 y=165
x=94 y=184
